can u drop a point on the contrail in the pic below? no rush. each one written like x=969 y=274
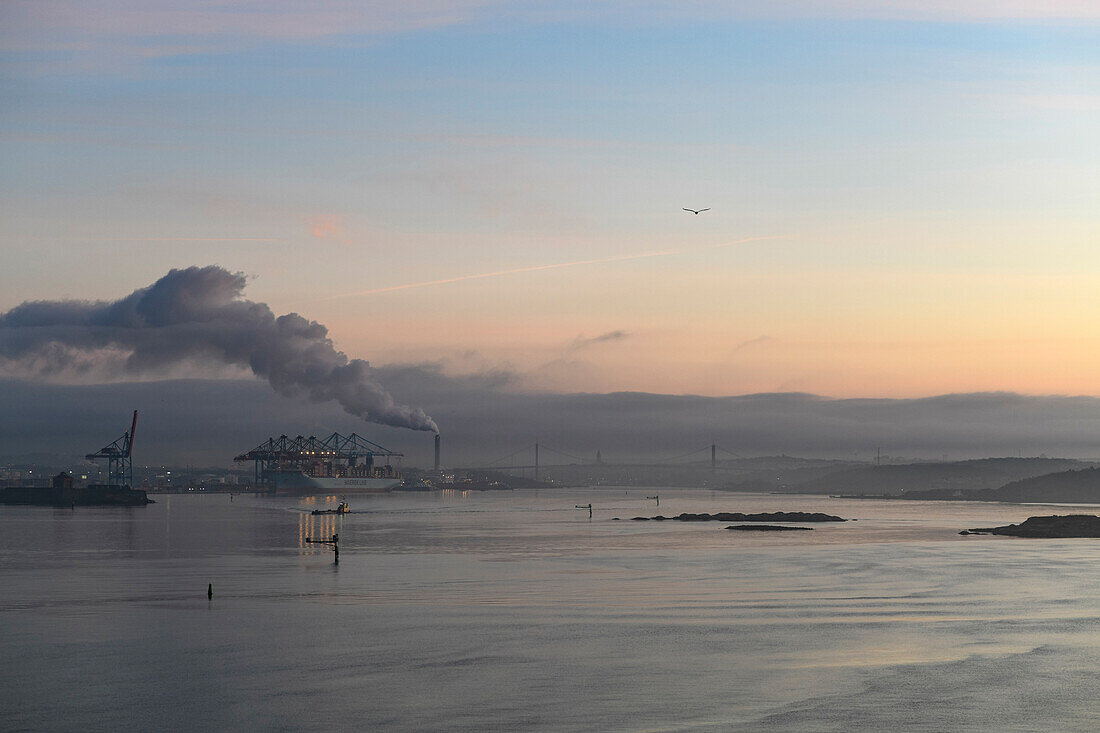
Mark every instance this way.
x=182 y=239
x=535 y=268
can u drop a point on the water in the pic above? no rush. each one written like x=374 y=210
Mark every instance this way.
x=513 y=611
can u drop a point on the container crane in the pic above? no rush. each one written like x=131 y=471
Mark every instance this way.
x=120 y=467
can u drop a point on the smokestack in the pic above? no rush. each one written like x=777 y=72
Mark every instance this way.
x=437 y=452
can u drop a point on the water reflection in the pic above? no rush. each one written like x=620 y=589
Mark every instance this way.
x=316 y=527
x=484 y=598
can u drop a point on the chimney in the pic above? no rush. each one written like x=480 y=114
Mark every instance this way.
x=437 y=451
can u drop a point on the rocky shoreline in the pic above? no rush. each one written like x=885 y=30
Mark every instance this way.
x=1066 y=526
x=739 y=517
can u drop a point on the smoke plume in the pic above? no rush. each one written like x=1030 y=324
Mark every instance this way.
x=197 y=314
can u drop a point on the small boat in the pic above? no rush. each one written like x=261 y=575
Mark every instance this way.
x=343 y=508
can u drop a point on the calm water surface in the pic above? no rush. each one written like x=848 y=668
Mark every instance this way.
x=514 y=611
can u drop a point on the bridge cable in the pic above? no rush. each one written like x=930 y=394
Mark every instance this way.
x=510 y=455
x=562 y=453
x=685 y=455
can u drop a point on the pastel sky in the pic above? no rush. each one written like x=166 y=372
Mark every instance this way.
x=904 y=195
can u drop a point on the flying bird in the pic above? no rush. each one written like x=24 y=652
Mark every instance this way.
x=697 y=211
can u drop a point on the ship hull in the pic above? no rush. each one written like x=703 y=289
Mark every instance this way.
x=294 y=483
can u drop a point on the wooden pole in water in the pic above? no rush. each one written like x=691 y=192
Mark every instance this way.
x=209 y=591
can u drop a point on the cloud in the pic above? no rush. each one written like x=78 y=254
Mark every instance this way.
x=484 y=417
x=324 y=228
x=150 y=29
x=904 y=10
x=751 y=342
x=431 y=378
x=289 y=20
x=329 y=227
x=583 y=343
x=269 y=19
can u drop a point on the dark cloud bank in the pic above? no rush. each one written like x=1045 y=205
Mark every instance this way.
x=304 y=385
x=209 y=421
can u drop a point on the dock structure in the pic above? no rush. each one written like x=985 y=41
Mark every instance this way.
x=118 y=491
x=335 y=542
x=337 y=455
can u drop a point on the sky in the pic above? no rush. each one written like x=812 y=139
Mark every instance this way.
x=902 y=195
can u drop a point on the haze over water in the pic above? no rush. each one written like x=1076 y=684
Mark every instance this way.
x=513 y=611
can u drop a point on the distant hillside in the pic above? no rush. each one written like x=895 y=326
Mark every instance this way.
x=1082 y=486
x=940 y=478
x=1071 y=487
x=775 y=473
x=764 y=473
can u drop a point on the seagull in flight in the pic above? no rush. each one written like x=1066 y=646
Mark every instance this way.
x=697 y=211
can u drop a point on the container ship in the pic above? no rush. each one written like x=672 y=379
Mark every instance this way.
x=337 y=464
x=304 y=483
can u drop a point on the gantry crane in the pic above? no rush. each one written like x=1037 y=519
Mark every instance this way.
x=120 y=467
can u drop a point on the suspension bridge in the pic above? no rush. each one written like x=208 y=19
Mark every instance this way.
x=532 y=458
